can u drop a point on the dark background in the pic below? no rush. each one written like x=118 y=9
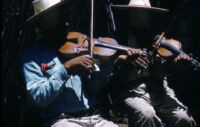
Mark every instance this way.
x=15 y=12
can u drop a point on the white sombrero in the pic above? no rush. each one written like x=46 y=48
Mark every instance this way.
x=140 y=5
x=139 y=13
x=46 y=8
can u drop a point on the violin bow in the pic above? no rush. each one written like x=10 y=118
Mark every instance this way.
x=91 y=45
x=179 y=10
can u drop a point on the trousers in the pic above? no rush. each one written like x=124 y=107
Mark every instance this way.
x=149 y=104
x=88 y=121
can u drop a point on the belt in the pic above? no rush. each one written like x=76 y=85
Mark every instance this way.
x=81 y=113
x=74 y=114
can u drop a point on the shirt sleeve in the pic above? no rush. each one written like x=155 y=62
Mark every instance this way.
x=44 y=88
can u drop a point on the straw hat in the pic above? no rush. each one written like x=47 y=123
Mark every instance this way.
x=47 y=10
x=140 y=5
x=139 y=14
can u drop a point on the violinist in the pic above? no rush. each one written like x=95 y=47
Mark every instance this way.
x=144 y=93
x=56 y=82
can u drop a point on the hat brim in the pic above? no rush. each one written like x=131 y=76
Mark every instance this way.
x=33 y=19
x=140 y=7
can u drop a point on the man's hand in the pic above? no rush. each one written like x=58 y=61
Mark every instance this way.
x=182 y=58
x=132 y=52
x=181 y=64
x=134 y=57
x=83 y=61
x=141 y=63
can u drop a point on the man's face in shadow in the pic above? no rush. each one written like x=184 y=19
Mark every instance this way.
x=141 y=26
x=52 y=28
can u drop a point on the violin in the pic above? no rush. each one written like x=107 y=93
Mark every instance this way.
x=78 y=43
x=168 y=47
